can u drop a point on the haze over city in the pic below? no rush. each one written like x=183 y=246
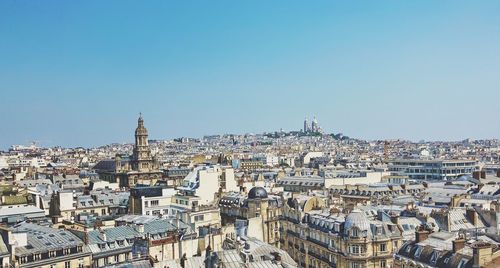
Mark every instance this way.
x=76 y=74
x=245 y=134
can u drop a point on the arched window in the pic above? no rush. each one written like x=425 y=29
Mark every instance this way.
x=355 y=232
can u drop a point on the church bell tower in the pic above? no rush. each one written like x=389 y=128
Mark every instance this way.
x=142 y=154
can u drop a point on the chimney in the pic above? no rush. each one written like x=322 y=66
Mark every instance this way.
x=458 y=244
x=481 y=253
x=455 y=200
x=472 y=216
x=104 y=237
x=140 y=228
x=277 y=258
x=476 y=175
x=483 y=174
x=394 y=217
x=421 y=233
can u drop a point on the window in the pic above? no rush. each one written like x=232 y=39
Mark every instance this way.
x=383 y=264
x=418 y=252
x=116 y=258
x=434 y=257
x=67 y=264
x=103 y=211
x=382 y=247
x=52 y=253
x=354 y=232
x=154 y=203
x=355 y=249
x=462 y=263
x=354 y=265
x=146 y=203
x=80 y=263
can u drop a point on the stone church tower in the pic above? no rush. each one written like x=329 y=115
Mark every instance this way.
x=142 y=160
x=139 y=168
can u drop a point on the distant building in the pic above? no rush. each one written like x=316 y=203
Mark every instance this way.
x=151 y=200
x=313 y=128
x=205 y=181
x=432 y=169
x=140 y=168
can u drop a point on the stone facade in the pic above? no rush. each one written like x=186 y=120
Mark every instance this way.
x=139 y=168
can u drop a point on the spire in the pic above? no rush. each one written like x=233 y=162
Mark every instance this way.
x=140 y=121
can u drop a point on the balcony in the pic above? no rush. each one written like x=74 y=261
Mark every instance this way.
x=317 y=242
x=323 y=258
x=303 y=236
x=332 y=248
x=357 y=255
x=383 y=254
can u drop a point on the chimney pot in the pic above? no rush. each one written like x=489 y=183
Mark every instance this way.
x=458 y=244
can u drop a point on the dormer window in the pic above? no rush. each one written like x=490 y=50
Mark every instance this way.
x=354 y=232
x=418 y=252
x=434 y=257
x=23 y=259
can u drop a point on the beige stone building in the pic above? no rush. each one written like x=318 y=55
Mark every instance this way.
x=315 y=237
x=258 y=213
x=139 y=168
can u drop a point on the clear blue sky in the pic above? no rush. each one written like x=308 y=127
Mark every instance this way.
x=77 y=73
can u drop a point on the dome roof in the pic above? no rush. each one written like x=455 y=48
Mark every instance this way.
x=357 y=219
x=257 y=192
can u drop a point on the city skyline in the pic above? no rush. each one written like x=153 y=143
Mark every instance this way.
x=409 y=70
